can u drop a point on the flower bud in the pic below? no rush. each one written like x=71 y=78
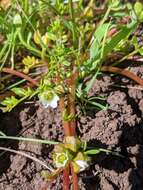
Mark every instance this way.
x=37 y=37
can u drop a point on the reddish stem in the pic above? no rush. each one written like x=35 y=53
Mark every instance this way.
x=66 y=126
x=66 y=181
x=72 y=110
x=21 y=75
x=124 y=72
x=67 y=131
x=71 y=98
x=74 y=178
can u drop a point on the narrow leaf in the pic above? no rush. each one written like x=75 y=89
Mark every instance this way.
x=93 y=151
x=28 y=139
x=116 y=39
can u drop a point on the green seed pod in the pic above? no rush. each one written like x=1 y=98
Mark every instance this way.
x=82 y=74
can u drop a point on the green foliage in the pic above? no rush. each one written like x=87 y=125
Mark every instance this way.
x=93 y=151
x=97 y=40
x=138 y=7
x=29 y=63
x=22 y=92
x=67 y=117
x=63 y=37
x=10 y=102
x=17 y=20
x=3 y=136
x=71 y=43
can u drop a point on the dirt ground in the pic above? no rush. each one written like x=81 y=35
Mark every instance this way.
x=119 y=128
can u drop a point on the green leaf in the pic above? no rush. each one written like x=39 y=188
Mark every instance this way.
x=10 y=103
x=114 y=3
x=96 y=104
x=41 y=141
x=66 y=63
x=134 y=41
x=141 y=17
x=84 y=145
x=2 y=134
x=29 y=37
x=121 y=35
x=51 y=36
x=19 y=91
x=17 y=20
x=138 y=7
x=29 y=91
x=93 y=151
x=91 y=82
x=22 y=92
x=97 y=38
x=141 y=51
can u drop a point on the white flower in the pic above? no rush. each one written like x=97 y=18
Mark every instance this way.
x=66 y=1
x=61 y=159
x=49 y=99
x=82 y=164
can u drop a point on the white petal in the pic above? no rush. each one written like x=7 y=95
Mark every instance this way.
x=56 y=98
x=53 y=104
x=46 y=103
x=82 y=164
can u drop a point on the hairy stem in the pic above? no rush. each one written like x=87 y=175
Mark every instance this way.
x=27 y=156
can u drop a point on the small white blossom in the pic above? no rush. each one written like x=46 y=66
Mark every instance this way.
x=49 y=102
x=61 y=159
x=82 y=164
x=66 y=1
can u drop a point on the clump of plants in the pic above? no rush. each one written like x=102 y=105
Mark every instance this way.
x=72 y=43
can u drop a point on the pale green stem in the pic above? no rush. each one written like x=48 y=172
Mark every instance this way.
x=27 y=156
x=29 y=139
x=105 y=16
